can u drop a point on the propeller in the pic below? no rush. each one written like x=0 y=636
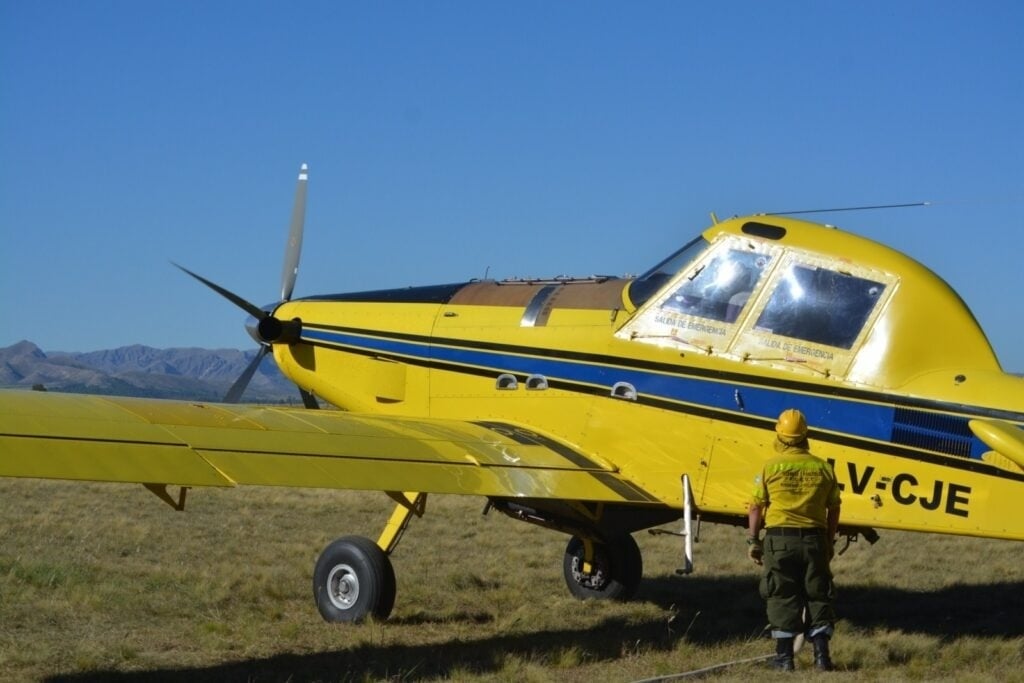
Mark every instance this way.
x=267 y=329
x=293 y=249
x=234 y=394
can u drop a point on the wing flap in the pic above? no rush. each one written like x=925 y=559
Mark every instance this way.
x=152 y=441
x=426 y=476
x=63 y=458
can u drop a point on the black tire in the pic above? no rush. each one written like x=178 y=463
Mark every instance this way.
x=616 y=573
x=353 y=579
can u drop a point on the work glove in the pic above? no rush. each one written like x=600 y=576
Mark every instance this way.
x=755 y=551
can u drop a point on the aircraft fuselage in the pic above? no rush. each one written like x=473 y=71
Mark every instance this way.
x=684 y=370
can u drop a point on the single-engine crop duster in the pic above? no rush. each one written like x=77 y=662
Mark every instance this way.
x=596 y=407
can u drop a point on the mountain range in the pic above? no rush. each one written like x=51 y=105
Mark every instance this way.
x=183 y=373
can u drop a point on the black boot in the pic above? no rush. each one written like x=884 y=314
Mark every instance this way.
x=822 y=659
x=783 y=660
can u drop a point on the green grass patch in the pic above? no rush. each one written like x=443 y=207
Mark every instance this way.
x=43 y=575
x=135 y=591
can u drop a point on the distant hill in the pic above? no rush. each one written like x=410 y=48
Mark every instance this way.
x=185 y=374
x=189 y=374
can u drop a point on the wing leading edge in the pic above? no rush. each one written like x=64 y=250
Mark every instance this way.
x=72 y=436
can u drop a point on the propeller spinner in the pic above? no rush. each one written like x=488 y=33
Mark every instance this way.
x=262 y=325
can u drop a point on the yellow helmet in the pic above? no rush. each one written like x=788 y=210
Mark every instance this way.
x=792 y=426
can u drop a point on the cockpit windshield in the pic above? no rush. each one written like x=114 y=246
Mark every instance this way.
x=654 y=279
x=820 y=305
x=720 y=287
x=760 y=300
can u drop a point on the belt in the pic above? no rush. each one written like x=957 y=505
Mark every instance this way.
x=793 y=531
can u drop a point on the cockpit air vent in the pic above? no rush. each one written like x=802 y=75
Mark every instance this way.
x=768 y=232
x=942 y=433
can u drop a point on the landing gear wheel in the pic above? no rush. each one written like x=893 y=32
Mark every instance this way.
x=615 y=571
x=353 y=579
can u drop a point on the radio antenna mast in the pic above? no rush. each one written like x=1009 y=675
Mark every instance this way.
x=848 y=208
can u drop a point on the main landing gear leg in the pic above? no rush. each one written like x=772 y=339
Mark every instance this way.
x=354 y=578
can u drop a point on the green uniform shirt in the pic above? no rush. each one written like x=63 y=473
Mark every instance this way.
x=797 y=489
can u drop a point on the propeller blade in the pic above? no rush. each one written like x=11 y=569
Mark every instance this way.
x=294 y=247
x=249 y=308
x=234 y=394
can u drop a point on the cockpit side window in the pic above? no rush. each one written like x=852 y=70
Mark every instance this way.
x=721 y=287
x=819 y=305
x=648 y=284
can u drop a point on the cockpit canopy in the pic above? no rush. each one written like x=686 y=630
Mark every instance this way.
x=797 y=294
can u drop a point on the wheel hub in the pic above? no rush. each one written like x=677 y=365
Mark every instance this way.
x=343 y=586
x=595 y=580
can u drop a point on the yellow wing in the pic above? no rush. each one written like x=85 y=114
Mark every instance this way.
x=71 y=436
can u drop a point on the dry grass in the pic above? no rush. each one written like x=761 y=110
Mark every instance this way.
x=104 y=582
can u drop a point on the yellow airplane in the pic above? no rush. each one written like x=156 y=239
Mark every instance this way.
x=597 y=407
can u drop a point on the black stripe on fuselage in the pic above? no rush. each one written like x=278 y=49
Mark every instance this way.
x=683 y=371
x=429 y=294
x=627 y=490
x=886 y=448
x=528 y=437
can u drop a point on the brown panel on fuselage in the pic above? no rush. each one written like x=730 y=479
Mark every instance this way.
x=595 y=294
x=490 y=293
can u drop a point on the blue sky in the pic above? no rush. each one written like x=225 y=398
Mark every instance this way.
x=447 y=140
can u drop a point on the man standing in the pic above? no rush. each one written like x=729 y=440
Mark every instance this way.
x=796 y=497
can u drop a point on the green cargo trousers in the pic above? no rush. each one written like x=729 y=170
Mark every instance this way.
x=797 y=575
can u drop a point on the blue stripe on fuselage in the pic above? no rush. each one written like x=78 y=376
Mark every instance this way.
x=829 y=413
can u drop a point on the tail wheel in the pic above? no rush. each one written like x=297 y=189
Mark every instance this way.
x=615 y=571
x=353 y=579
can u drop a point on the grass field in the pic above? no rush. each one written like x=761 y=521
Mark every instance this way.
x=105 y=582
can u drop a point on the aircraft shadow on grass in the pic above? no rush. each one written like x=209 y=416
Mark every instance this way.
x=700 y=610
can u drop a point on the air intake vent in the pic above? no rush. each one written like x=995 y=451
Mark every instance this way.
x=771 y=232
x=941 y=433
